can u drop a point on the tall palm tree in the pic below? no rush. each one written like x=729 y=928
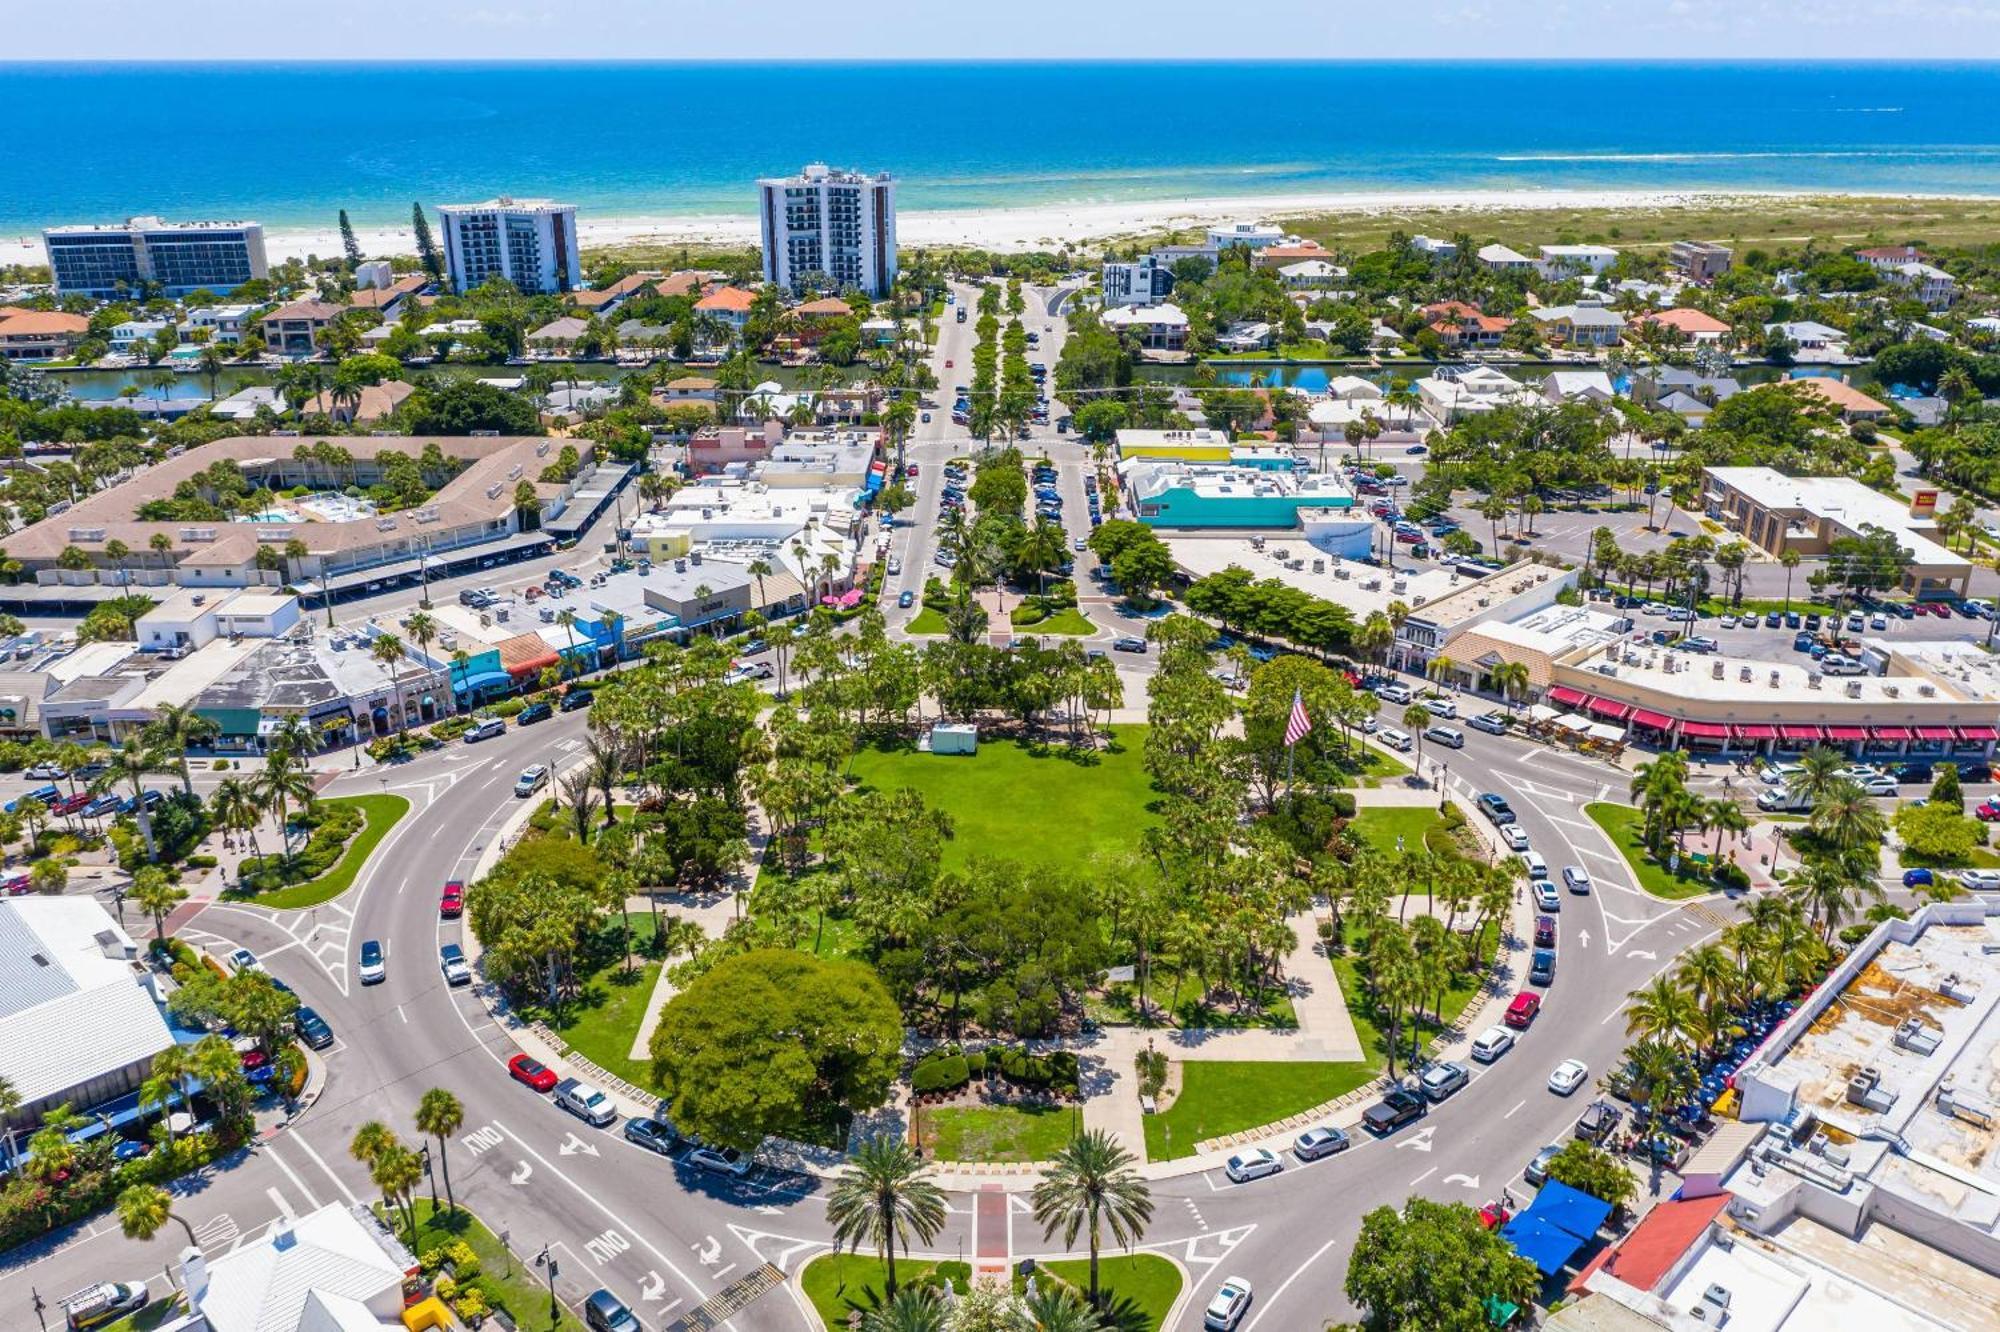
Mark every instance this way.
x=131 y=766
x=1662 y=1011
x=883 y=1197
x=235 y=806
x=387 y=650
x=1511 y=679
x=396 y=1170
x=143 y=1209
x=283 y=783
x=440 y=1115
x=1819 y=769
x=174 y=729
x=567 y=619
x=1847 y=818
x=1056 y=1308
x=1089 y=1185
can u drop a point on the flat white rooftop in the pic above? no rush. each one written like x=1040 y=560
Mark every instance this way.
x=1362 y=588
x=1771 y=1290
x=1841 y=500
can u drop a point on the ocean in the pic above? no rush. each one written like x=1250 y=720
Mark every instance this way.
x=289 y=144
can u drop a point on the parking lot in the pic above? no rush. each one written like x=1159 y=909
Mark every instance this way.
x=1759 y=638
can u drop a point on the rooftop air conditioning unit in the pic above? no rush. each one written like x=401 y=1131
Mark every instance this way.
x=1774 y=679
x=1812 y=680
x=1743 y=676
x=1926 y=691
x=1716 y=1295
x=1893 y=691
x=1715 y=673
x=1854 y=689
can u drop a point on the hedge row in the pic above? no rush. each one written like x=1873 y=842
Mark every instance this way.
x=948 y=1068
x=332 y=826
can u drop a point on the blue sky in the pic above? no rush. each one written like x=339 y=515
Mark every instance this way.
x=1081 y=29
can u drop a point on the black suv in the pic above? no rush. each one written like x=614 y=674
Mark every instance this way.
x=1399 y=1107
x=534 y=712
x=605 y=1312
x=1496 y=808
x=576 y=698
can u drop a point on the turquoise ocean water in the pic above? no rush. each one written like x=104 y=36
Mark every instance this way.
x=290 y=144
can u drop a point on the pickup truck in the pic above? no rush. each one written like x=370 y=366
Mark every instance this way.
x=1401 y=1106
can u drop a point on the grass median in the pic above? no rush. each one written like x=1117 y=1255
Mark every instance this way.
x=1625 y=826
x=1219 y=1097
x=1139 y=1289
x=379 y=813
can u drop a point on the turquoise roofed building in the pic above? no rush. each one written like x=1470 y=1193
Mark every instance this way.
x=1171 y=493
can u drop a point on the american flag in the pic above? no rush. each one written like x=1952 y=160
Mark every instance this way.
x=1300 y=724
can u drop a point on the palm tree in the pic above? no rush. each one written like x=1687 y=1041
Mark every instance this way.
x=156 y=895
x=567 y=619
x=174 y=729
x=1847 y=819
x=234 y=806
x=10 y=1101
x=396 y=1170
x=132 y=765
x=387 y=649
x=1091 y=1183
x=917 y=1310
x=282 y=783
x=172 y=1067
x=143 y=1209
x=883 y=1197
x=1415 y=718
x=1723 y=816
x=440 y=1115
x=1511 y=679
x=1662 y=1011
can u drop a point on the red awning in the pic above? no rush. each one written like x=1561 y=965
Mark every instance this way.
x=1755 y=732
x=1934 y=733
x=1978 y=733
x=1891 y=733
x=1659 y=721
x=1565 y=697
x=1605 y=707
x=1846 y=733
x=1799 y=732
x=1705 y=730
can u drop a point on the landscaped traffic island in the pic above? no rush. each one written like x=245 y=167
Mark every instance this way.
x=341 y=834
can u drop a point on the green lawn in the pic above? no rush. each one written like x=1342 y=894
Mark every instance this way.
x=839 y=1283
x=929 y=621
x=520 y=1291
x=148 y=1318
x=1044 y=805
x=998 y=1132
x=1222 y=1096
x=1380 y=825
x=1622 y=824
x=1068 y=620
x=380 y=813
x=601 y=1024
x=1139 y=1288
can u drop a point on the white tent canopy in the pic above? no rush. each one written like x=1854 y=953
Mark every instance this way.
x=1604 y=731
x=1574 y=721
x=1542 y=712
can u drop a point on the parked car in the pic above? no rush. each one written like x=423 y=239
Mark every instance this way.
x=605 y=1312
x=1490 y=1044
x=311 y=1027
x=534 y=712
x=720 y=1161
x=1568 y=1076
x=1980 y=880
x=1400 y=1106
x=1228 y=1305
x=1537 y=1171
x=373 y=968
x=1495 y=808
x=1542 y=967
x=1324 y=1140
x=576 y=698
x=451 y=962
x=531 y=1072
x=1546 y=896
x=1448 y=736
x=451 y=902
x=46 y=772
x=1598 y=1121
x=106 y=1302
x=1254 y=1163
x=651 y=1134
x=1395 y=739
x=1394 y=693
x=586 y=1102
x=486 y=729
x=1515 y=836
x=1493 y=723
x=1521 y=1012
x=1442 y=1079
x=242 y=959
x=532 y=779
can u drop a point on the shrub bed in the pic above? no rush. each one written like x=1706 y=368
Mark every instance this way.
x=451 y=728
x=30 y=1207
x=331 y=824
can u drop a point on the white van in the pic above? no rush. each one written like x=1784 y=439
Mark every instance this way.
x=1537 y=867
x=1395 y=739
x=1449 y=736
x=1394 y=693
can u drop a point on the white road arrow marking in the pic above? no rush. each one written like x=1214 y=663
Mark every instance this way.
x=1468 y=1181
x=1583 y=937
x=769 y=1209
x=654 y=1289
x=573 y=1144
x=709 y=1252
x=1645 y=953
x=1420 y=1140
x=521 y=1173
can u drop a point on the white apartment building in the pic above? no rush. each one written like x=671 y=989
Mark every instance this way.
x=178 y=257
x=1255 y=235
x=1137 y=282
x=829 y=221
x=1559 y=261
x=530 y=242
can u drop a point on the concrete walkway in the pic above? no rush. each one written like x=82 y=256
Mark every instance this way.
x=711 y=911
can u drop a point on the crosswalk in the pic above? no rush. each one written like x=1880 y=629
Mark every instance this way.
x=725 y=1305
x=1708 y=915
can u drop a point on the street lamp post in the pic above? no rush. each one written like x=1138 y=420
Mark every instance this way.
x=547 y=1260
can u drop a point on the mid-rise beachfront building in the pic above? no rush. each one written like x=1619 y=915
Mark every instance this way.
x=530 y=242
x=830 y=223
x=1141 y=281
x=1253 y=235
x=1702 y=261
x=178 y=258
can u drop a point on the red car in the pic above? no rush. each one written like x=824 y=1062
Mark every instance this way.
x=452 y=904
x=536 y=1075
x=1494 y=1215
x=71 y=804
x=1521 y=1013
x=1988 y=810
x=1545 y=931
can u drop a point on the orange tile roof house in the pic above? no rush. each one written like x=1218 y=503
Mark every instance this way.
x=40 y=335
x=1277 y=256
x=608 y=298
x=729 y=304
x=388 y=298
x=377 y=402
x=1460 y=325
x=1692 y=325
x=1844 y=398
x=684 y=283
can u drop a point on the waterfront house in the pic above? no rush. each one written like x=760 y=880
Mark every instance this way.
x=1580 y=325
x=603 y=300
x=1684 y=325
x=389 y=298
x=687 y=388
x=558 y=337
x=1158 y=327
x=728 y=305
x=293 y=330
x=1812 y=341
x=1563 y=261
x=135 y=332
x=39 y=335
x=1459 y=325
x=1578 y=386
x=225 y=323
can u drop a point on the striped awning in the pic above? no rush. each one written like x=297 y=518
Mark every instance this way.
x=1846 y=733
x=1891 y=733
x=1978 y=733
x=1757 y=732
x=1659 y=721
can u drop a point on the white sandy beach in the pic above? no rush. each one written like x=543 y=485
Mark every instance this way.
x=1049 y=226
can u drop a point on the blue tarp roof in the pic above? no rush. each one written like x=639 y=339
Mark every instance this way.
x=483 y=680
x=1560 y=1221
